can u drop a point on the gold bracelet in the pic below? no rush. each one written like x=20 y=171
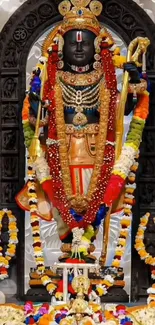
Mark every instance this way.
x=138 y=88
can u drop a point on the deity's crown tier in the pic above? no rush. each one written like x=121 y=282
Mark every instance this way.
x=80 y=14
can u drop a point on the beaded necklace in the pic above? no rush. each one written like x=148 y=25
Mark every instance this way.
x=80 y=100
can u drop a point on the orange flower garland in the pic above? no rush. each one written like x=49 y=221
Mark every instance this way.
x=25 y=110
x=11 y=248
x=126 y=220
x=139 y=242
x=130 y=149
x=35 y=224
x=144 y=255
x=142 y=108
x=132 y=142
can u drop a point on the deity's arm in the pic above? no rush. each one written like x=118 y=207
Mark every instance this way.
x=30 y=108
x=138 y=81
x=137 y=102
x=127 y=161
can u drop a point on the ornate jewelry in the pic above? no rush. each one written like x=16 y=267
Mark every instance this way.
x=91 y=129
x=80 y=100
x=83 y=98
x=97 y=57
x=60 y=65
x=80 y=69
x=87 y=79
x=81 y=202
x=80 y=119
x=60 y=55
x=80 y=17
x=81 y=285
x=97 y=65
x=138 y=88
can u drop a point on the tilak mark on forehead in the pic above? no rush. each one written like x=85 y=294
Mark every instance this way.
x=79 y=36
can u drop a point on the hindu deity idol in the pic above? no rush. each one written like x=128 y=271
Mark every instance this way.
x=79 y=172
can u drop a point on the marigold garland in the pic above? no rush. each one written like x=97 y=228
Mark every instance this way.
x=35 y=224
x=130 y=149
x=126 y=219
x=126 y=166
x=144 y=255
x=139 y=241
x=11 y=247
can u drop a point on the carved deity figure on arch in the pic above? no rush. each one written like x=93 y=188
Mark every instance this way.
x=79 y=170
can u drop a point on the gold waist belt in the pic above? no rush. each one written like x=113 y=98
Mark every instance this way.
x=88 y=129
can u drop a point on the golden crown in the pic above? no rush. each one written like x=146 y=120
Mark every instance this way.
x=80 y=14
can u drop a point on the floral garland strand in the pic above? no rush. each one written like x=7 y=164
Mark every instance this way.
x=144 y=255
x=35 y=220
x=129 y=151
x=126 y=219
x=139 y=241
x=35 y=224
x=27 y=128
x=126 y=166
x=11 y=247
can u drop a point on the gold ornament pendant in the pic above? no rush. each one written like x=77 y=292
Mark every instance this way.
x=80 y=119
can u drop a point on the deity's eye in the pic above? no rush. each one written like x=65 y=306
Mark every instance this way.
x=72 y=42
x=86 y=43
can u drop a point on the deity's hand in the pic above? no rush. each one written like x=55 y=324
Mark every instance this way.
x=46 y=103
x=34 y=99
x=131 y=68
x=33 y=96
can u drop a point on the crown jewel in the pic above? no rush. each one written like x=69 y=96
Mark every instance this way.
x=80 y=14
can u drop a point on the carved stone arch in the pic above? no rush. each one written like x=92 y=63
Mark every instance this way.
x=31 y=20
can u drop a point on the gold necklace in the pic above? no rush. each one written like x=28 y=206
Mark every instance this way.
x=84 y=79
x=79 y=100
x=80 y=202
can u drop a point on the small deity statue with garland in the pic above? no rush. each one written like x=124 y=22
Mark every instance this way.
x=78 y=170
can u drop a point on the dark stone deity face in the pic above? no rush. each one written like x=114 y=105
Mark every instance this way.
x=79 y=48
